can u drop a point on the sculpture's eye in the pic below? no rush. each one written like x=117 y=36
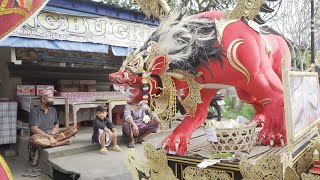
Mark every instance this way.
x=136 y=63
x=125 y=75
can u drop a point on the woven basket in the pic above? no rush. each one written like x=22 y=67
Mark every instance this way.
x=235 y=139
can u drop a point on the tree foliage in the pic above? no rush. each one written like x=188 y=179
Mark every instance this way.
x=294 y=22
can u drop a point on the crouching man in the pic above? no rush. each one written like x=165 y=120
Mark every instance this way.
x=44 y=125
x=135 y=127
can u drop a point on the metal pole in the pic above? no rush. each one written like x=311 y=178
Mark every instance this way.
x=312 y=33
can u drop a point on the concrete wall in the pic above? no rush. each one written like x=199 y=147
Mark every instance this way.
x=8 y=84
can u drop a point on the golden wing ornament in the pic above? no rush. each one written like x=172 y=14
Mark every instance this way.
x=250 y=9
x=156 y=8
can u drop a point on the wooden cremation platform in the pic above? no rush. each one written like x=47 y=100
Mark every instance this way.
x=200 y=149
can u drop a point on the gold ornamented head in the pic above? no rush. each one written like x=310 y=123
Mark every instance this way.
x=135 y=62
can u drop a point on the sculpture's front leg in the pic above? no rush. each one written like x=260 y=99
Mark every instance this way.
x=178 y=140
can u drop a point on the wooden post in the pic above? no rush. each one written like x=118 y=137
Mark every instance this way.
x=312 y=33
x=287 y=104
x=66 y=112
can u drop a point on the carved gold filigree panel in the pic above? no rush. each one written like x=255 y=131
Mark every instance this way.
x=245 y=8
x=305 y=176
x=154 y=166
x=290 y=174
x=193 y=98
x=192 y=173
x=269 y=167
x=304 y=162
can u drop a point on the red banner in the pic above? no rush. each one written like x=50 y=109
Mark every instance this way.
x=14 y=12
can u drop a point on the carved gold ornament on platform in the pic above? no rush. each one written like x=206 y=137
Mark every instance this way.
x=154 y=166
x=269 y=167
x=290 y=174
x=192 y=173
x=305 y=176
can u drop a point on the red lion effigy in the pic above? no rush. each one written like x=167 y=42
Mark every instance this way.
x=190 y=58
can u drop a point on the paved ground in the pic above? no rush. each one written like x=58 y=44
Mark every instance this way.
x=18 y=165
x=90 y=164
x=93 y=165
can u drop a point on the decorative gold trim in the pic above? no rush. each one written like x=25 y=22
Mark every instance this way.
x=221 y=25
x=193 y=98
x=135 y=61
x=154 y=52
x=290 y=174
x=164 y=105
x=265 y=101
x=216 y=167
x=154 y=164
x=300 y=154
x=157 y=8
x=6 y=168
x=245 y=8
x=220 y=165
x=175 y=75
x=268 y=167
x=305 y=176
x=25 y=16
x=233 y=59
x=191 y=173
x=4 y=10
x=176 y=169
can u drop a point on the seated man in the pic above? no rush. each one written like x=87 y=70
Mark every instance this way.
x=135 y=126
x=44 y=125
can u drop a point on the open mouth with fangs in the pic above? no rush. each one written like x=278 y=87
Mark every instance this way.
x=131 y=93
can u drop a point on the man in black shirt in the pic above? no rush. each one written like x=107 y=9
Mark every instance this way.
x=104 y=131
x=44 y=125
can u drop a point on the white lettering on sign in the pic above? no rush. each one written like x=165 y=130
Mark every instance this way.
x=76 y=25
x=49 y=21
x=101 y=30
x=98 y=27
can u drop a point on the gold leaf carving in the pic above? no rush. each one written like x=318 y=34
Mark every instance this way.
x=192 y=173
x=154 y=166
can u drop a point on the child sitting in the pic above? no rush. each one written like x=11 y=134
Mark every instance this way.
x=104 y=131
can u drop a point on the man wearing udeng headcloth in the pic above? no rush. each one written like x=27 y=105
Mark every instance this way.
x=44 y=125
x=139 y=122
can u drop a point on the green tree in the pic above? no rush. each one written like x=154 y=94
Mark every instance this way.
x=293 y=21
